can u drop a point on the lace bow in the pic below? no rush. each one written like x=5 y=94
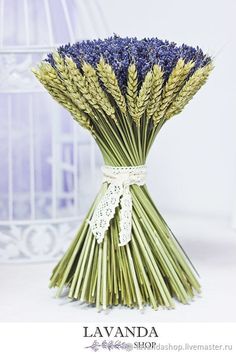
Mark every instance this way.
x=118 y=192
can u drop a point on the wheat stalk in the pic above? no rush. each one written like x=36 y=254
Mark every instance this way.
x=172 y=87
x=81 y=86
x=195 y=82
x=143 y=97
x=132 y=90
x=62 y=70
x=70 y=87
x=97 y=92
x=109 y=79
x=156 y=90
x=49 y=74
x=48 y=79
x=77 y=87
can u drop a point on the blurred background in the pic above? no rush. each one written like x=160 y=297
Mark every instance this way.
x=49 y=163
x=50 y=168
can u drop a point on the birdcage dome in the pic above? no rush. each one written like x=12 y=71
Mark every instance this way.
x=45 y=156
x=30 y=29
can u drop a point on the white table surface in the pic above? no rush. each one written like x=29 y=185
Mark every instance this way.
x=211 y=245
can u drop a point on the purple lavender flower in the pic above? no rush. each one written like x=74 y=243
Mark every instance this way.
x=120 y=52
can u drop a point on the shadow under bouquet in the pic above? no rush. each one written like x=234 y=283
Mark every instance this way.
x=123 y=90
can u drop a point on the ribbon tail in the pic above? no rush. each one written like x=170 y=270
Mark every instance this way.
x=105 y=211
x=125 y=217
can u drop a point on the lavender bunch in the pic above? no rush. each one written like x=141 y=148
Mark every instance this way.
x=123 y=90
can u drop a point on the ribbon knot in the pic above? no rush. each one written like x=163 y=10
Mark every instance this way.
x=117 y=193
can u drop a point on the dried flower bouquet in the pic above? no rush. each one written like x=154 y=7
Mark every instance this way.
x=122 y=90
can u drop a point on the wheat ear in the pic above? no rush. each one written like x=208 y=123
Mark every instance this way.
x=70 y=88
x=56 y=90
x=97 y=92
x=132 y=90
x=172 y=87
x=195 y=82
x=81 y=86
x=143 y=97
x=109 y=79
x=156 y=90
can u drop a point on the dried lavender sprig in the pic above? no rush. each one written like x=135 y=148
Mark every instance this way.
x=121 y=52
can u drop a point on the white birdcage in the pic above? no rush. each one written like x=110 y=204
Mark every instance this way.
x=48 y=164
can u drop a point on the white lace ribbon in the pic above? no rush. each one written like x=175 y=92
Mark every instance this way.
x=117 y=193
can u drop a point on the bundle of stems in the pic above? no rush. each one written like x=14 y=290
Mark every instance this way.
x=152 y=268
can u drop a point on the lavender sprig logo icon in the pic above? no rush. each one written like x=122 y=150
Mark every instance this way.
x=110 y=345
